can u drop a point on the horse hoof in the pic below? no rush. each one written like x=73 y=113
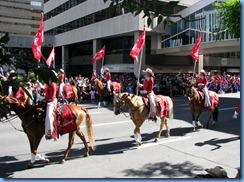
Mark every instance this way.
x=156 y=140
x=62 y=161
x=86 y=155
x=214 y=124
x=138 y=144
x=30 y=165
x=45 y=161
x=193 y=129
x=206 y=126
x=168 y=135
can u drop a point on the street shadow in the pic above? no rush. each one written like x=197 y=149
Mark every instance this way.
x=164 y=168
x=215 y=142
x=225 y=122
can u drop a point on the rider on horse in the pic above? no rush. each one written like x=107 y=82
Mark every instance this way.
x=148 y=90
x=201 y=83
x=61 y=78
x=107 y=78
x=51 y=99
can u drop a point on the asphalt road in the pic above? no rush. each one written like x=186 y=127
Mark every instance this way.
x=183 y=155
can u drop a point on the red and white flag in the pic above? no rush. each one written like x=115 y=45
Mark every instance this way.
x=99 y=55
x=138 y=46
x=50 y=58
x=196 y=47
x=38 y=40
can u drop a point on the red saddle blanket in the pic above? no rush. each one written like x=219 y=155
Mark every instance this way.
x=162 y=105
x=214 y=100
x=66 y=120
x=68 y=91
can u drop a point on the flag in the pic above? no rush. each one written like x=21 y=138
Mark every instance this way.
x=50 y=58
x=196 y=47
x=99 y=55
x=138 y=46
x=38 y=40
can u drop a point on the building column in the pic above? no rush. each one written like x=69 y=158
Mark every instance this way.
x=97 y=45
x=65 y=58
x=143 y=59
x=156 y=42
x=200 y=63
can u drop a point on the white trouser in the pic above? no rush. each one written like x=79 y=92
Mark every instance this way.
x=152 y=104
x=50 y=118
x=206 y=101
x=61 y=89
x=108 y=85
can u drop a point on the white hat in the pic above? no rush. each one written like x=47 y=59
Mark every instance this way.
x=202 y=71
x=12 y=71
x=61 y=70
x=148 y=70
x=83 y=85
x=217 y=172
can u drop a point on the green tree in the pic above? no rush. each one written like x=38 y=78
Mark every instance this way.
x=229 y=16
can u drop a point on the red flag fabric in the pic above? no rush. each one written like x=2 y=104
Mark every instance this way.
x=38 y=40
x=196 y=47
x=138 y=46
x=99 y=55
x=50 y=58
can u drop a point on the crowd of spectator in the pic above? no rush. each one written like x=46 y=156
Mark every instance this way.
x=166 y=84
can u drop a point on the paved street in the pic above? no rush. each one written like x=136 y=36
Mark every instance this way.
x=183 y=155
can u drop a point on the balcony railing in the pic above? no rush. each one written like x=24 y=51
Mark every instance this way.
x=189 y=36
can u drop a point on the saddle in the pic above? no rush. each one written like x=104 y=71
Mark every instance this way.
x=161 y=102
x=65 y=121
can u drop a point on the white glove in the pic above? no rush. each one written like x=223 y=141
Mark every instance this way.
x=102 y=71
x=143 y=92
x=139 y=85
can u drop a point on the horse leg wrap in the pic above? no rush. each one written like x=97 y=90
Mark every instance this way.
x=199 y=123
x=104 y=103
x=136 y=138
x=99 y=104
x=194 y=124
x=39 y=157
x=139 y=137
x=33 y=158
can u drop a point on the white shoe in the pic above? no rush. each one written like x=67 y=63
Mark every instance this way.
x=234 y=116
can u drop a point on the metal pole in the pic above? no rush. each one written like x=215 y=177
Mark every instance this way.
x=139 y=71
x=193 y=72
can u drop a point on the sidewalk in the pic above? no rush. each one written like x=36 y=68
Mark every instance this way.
x=231 y=95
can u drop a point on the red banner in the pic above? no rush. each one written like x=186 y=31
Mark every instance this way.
x=196 y=47
x=99 y=55
x=50 y=58
x=138 y=46
x=38 y=40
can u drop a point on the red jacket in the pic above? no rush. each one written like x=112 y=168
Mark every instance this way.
x=148 y=85
x=107 y=76
x=61 y=78
x=201 y=81
x=50 y=92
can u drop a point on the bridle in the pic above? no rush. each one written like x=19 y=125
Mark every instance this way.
x=120 y=100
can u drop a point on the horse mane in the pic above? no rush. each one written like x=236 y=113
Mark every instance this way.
x=195 y=93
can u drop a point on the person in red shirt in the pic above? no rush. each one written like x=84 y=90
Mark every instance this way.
x=107 y=78
x=51 y=99
x=201 y=82
x=147 y=87
x=61 y=78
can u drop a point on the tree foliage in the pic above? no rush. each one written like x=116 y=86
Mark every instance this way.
x=150 y=8
x=229 y=16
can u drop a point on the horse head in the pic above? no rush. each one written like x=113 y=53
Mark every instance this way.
x=118 y=103
x=188 y=91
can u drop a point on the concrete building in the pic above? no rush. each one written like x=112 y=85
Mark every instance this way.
x=20 y=18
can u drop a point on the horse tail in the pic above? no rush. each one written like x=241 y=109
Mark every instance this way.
x=171 y=108
x=90 y=130
x=216 y=114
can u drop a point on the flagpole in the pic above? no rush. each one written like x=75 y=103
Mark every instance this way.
x=193 y=71
x=139 y=72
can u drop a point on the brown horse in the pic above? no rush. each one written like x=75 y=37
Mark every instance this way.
x=102 y=90
x=34 y=129
x=139 y=112
x=196 y=104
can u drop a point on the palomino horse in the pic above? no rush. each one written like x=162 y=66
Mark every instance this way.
x=34 y=129
x=139 y=112
x=102 y=90
x=196 y=104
